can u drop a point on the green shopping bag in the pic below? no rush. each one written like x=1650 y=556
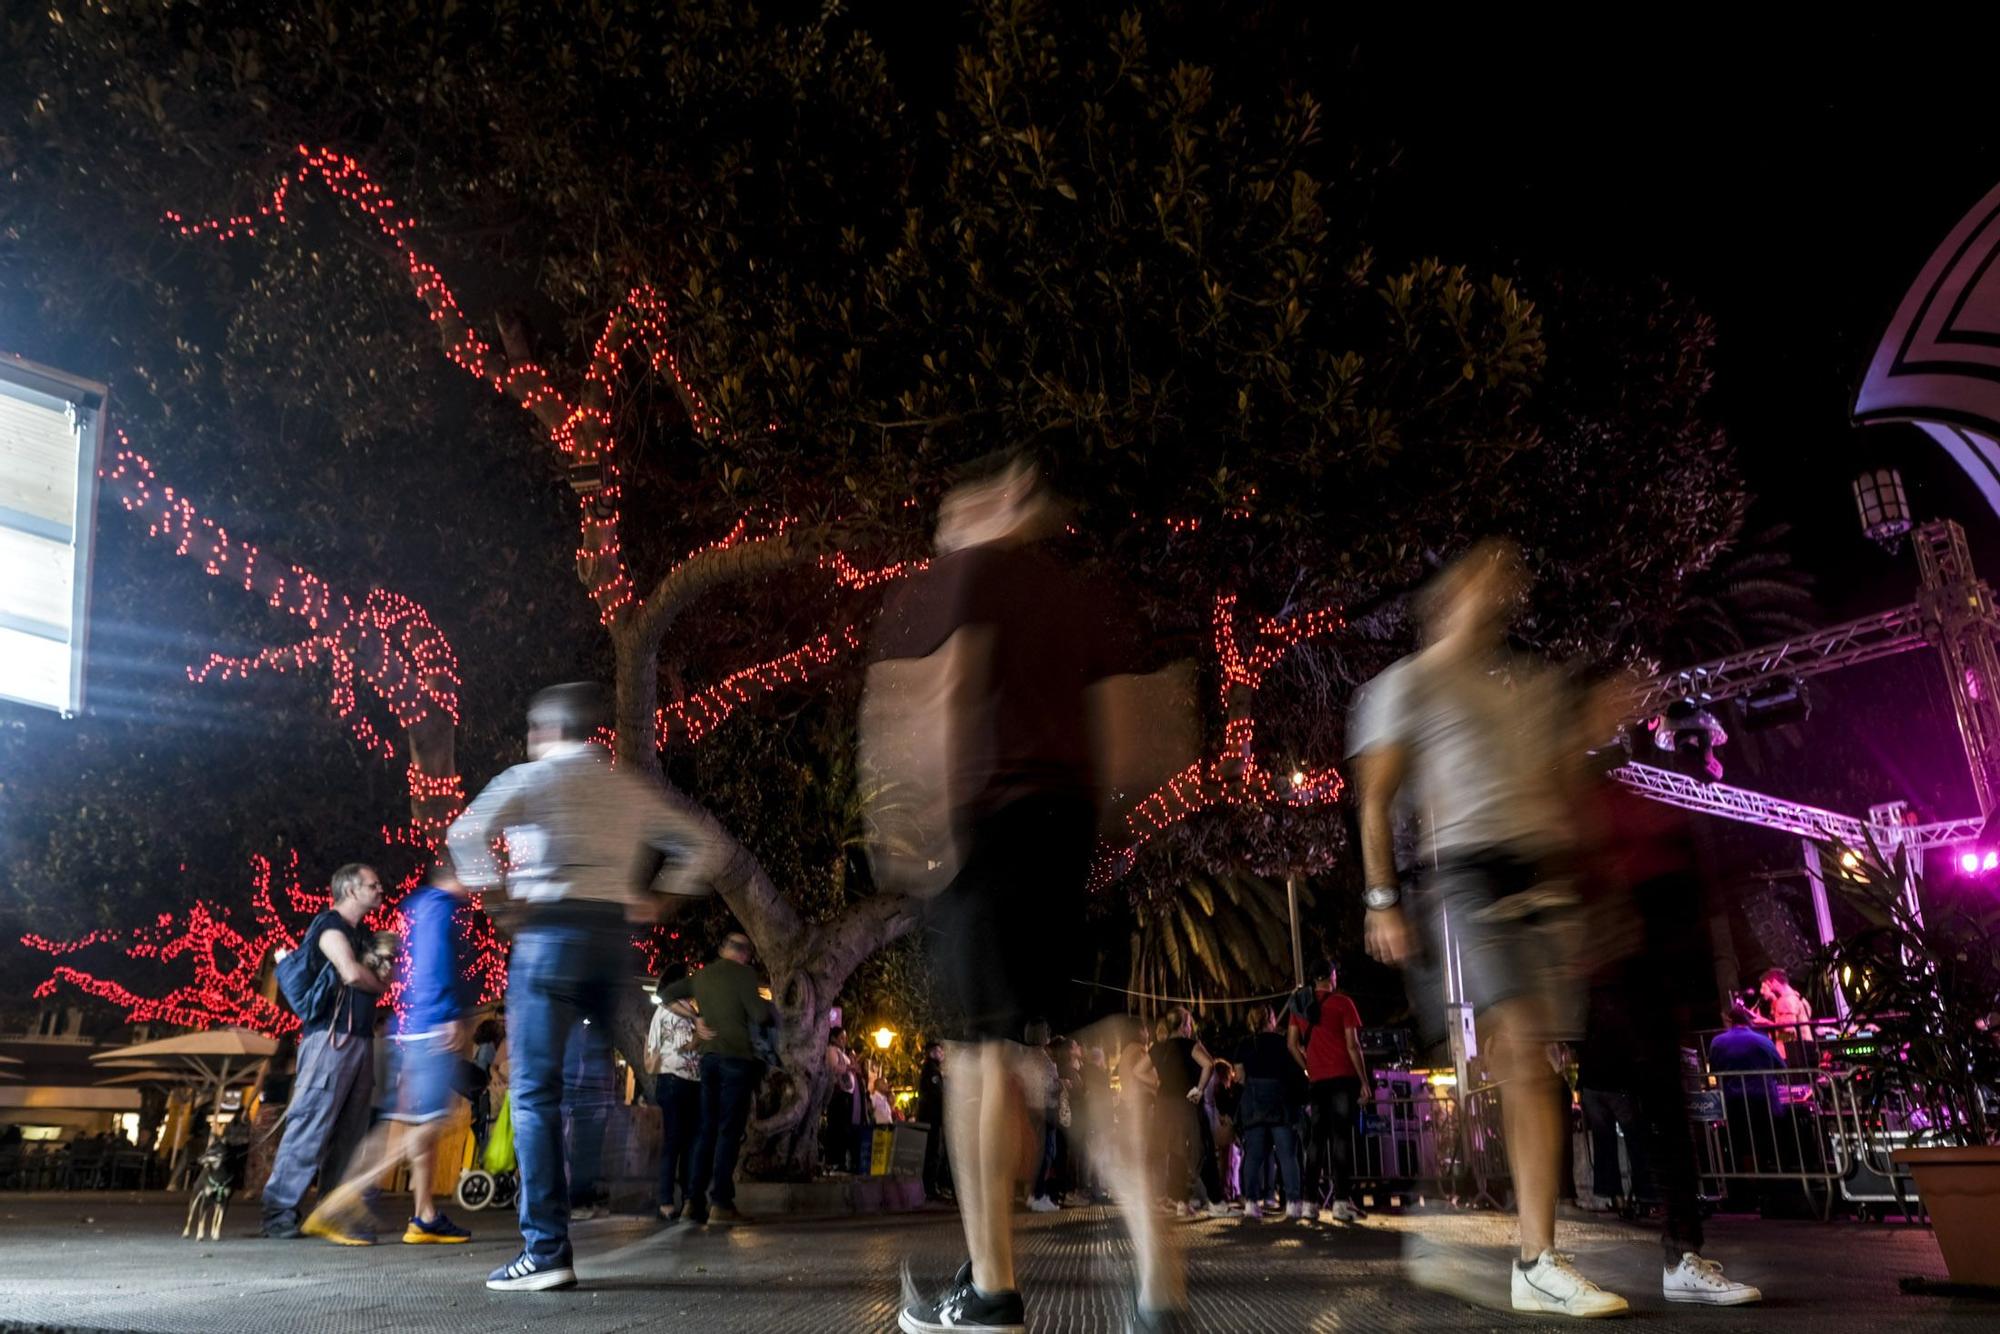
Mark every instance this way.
x=500 y=1140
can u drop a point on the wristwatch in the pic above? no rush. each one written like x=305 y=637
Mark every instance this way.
x=1378 y=897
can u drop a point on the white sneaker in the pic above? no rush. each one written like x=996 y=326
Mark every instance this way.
x=1252 y=1211
x=1219 y=1209
x=1301 y=1212
x=1697 y=1280
x=1345 y=1212
x=1042 y=1204
x=1551 y=1285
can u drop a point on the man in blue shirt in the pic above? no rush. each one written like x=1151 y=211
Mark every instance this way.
x=1743 y=1060
x=430 y=1033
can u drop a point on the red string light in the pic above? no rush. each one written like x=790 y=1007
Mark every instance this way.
x=388 y=642
x=581 y=429
x=227 y=957
x=1234 y=777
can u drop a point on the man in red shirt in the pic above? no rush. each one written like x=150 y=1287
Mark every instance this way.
x=1325 y=1039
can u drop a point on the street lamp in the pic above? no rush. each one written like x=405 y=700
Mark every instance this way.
x=885 y=1037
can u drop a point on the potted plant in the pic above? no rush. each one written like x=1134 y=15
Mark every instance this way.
x=1926 y=983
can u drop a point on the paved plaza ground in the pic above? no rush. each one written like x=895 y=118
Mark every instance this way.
x=95 y=1262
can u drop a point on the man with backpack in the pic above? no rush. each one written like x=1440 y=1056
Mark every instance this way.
x=331 y=986
x=427 y=1065
x=1325 y=1039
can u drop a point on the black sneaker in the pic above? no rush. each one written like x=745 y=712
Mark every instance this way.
x=963 y=1307
x=1144 y=1321
x=524 y=1273
x=283 y=1229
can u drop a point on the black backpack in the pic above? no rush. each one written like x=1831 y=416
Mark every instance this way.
x=307 y=980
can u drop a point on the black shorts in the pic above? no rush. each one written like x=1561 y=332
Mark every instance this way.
x=1007 y=936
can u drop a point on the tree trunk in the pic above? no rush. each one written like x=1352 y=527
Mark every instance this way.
x=808 y=964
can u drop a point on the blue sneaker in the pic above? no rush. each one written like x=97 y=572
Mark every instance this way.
x=524 y=1273
x=434 y=1231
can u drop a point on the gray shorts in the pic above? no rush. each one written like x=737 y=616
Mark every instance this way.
x=1516 y=929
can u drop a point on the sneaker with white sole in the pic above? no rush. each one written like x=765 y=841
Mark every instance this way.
x=524 y=1273
x=1344 y=1211
x=964 y=1307
x=1252 y=1211
x=1042 y=1204
x=1301 y=1211
x=1702 y=1281
x=1552 y=1286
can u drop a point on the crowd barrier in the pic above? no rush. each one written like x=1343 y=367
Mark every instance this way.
x=1808 y=1139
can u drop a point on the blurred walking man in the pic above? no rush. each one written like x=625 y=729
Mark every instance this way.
x=583 y=843
x=428 y=1049
x=978 y=722
x=1476 y=734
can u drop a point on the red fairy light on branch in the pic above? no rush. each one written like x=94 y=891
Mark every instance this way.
x=387 y=643
x=225 y=958
x=1234 y=777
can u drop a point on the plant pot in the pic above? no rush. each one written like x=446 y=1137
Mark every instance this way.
x=1961 y=1190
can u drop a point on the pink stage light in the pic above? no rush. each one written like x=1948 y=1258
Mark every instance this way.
x=1989 y=861
x=1968 y=862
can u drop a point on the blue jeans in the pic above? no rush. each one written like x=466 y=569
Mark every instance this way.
x=586 y=1104
x=1258 y=1144
x=680 y=1127
x=727 y=1083
x=559 y=973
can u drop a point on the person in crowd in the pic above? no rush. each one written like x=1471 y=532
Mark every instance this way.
x=991 y=666
x=1748 y=1065
x=592 y=850
x=1185 y=1068
x=1644 y=951
x=1048 y=1086
x=328 y=1115
x=675 y=1064
x=1476 y=733
x=487 y=1040
x=881 y=1104
x=1266 y=1115
x=844 y=1083
x=930 y=1113
x=1225 y=1091
x=1789 y=1016
x=725 y=1003
x=587 y=1099
x=428 y=1046
x=1325 y=1038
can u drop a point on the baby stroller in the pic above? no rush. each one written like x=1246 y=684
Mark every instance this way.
x=488 y=1180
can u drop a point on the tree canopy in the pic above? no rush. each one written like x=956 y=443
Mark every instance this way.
x=871 y=275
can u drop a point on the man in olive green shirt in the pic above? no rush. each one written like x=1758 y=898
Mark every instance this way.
x=723 y=1000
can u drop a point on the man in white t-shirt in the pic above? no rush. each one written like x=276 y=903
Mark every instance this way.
x=1470 y=733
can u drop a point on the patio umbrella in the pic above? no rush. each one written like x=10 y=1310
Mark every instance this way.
x=207 y=1060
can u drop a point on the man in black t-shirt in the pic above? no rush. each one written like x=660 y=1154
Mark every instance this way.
x=979 y=724
x=328 y=1114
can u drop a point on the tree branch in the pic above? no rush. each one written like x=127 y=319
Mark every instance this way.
x=875 y=921
x=681 y=586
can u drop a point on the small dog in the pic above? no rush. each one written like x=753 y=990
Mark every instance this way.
x=211 y=1193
